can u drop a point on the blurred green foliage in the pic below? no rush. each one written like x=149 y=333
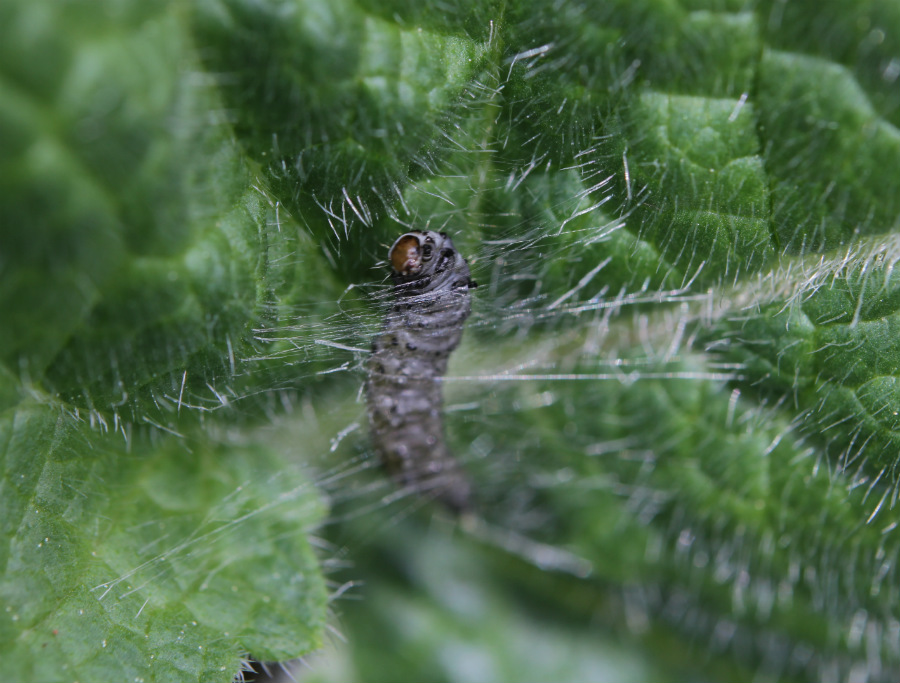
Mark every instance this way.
x=678 y=394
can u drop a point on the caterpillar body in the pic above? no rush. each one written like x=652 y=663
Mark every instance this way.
x=409 y=356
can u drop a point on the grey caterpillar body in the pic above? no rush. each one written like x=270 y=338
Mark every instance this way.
x=409 y=356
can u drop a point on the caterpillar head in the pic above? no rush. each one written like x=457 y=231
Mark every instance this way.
x=419 y=253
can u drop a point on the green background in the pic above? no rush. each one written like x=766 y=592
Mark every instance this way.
x=677 y=395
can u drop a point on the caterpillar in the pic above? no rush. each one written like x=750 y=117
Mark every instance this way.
x=423 y=326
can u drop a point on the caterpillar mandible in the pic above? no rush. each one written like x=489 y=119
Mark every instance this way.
x=403 y=392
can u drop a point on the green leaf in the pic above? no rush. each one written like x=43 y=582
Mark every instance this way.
x=137 y=262
x=159 y=561
x=678 y=392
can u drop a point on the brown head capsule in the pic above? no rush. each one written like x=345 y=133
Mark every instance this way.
x=406 y=255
